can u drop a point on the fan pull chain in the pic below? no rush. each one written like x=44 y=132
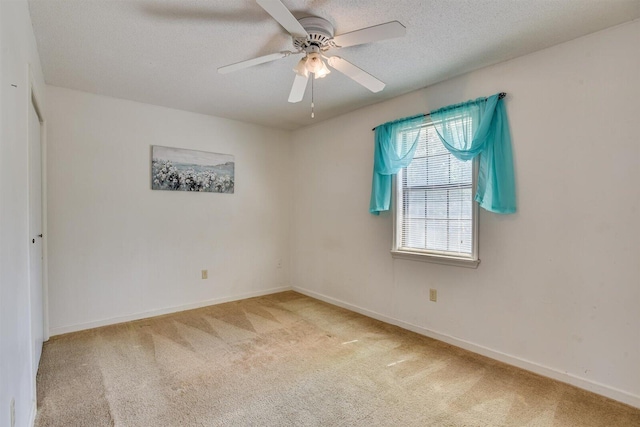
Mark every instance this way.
x=313 y=115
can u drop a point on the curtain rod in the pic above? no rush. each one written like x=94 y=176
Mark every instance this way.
x=500 y=96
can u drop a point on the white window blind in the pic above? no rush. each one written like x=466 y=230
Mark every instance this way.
x=435 y=207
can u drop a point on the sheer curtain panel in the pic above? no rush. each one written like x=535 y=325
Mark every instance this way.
x=394 y=149
x=487 y=135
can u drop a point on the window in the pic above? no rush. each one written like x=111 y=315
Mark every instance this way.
x=436 y=216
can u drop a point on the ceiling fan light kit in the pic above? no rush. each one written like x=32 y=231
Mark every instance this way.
x=314 y=36
x=301 y=68
x=312 y=63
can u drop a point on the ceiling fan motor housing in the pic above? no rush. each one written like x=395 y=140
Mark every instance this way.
x=320 y=34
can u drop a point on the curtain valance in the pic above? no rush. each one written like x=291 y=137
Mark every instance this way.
x=467 y=130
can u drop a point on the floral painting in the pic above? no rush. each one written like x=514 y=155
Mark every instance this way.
x=178 y=169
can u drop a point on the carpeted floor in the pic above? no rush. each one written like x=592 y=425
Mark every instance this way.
x=290 y=360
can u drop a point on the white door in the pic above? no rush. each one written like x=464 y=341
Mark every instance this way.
x=35 y=234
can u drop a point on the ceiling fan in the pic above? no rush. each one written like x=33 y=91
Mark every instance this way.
x=313 y=36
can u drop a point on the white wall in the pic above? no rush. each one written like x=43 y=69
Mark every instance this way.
x=118 y=250
x=18 y=52
x=558 y=288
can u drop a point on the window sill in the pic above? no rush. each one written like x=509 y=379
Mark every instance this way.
x=436 y=259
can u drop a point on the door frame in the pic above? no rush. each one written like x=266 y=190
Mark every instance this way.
x=36 y=99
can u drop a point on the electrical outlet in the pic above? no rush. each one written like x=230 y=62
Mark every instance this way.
x=433 y=295
x=12 y=411
x=205 y=274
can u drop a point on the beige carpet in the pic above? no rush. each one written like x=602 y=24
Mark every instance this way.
x=289 y=360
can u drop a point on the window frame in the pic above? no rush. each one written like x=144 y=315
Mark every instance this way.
x=437 y=257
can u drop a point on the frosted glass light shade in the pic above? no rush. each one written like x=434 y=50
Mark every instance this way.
x=322 y=72
x=301 y=68
x=312 y=63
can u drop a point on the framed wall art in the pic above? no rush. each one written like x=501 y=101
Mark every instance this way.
x=178 y=169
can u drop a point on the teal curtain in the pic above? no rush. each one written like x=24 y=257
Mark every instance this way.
x=474 y=128
x=392 y=153
x=481 y=128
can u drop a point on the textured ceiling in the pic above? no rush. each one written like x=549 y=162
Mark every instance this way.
x=166 y=52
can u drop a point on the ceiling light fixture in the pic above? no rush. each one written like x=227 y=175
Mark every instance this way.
x=312 y=63
x=316 y=65
x=301 y=68
x=312 y=37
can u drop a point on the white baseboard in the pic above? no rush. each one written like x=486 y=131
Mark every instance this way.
x=159 y=312
x=565 y=377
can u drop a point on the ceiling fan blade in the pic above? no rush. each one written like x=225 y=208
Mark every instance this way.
x=357 y=74
x=251 y=62
x=298 y=88
x=280 y=13
x=371 y=34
